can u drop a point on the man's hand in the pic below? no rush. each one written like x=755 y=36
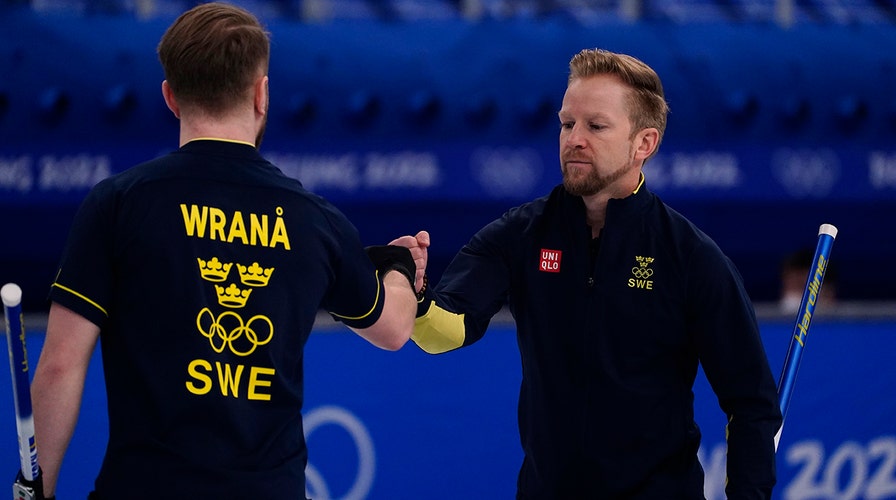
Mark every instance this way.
x=418 y=245
x=392 y=258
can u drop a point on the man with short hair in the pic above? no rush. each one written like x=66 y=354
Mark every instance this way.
x=202 y=272
x=617 y=299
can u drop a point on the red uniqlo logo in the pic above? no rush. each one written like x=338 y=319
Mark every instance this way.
x=550 y=260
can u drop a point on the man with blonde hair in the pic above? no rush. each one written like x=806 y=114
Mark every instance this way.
x=617 y=299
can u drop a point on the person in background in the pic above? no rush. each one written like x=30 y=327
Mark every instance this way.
x=201 y=272
x=617 y=299
x=794 y=275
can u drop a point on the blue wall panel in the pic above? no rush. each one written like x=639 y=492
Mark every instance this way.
x=408 y=425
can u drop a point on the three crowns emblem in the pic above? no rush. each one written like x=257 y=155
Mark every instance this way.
x=233 y=296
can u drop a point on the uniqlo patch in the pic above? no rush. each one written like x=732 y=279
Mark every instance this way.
x=550 y=260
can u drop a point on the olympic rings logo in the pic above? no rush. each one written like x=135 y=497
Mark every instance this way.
x=229 y=331
x=642 y=273
x=315 y=485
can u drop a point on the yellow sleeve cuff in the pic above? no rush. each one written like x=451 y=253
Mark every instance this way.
x=439 y=330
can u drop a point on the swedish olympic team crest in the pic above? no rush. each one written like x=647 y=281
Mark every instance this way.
x=642 y=273
x=229 y=329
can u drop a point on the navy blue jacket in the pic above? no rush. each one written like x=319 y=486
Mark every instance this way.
x=205 y=269
x=611 y=332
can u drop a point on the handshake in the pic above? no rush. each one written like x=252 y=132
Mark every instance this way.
x=392 y=258
x=407 y=255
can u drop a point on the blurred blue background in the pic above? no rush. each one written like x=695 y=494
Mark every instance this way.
x=441 y=115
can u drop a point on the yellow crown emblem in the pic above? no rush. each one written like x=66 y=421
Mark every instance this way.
x=254 y=275
x=643 y=261
x=232 y=296
x=213 y=270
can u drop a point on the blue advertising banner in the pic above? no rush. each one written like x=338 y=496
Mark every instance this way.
x=463 y=172
x=408 y=425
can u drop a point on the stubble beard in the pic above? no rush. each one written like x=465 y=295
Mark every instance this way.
x=592 y=182
x=261 y=132
x=264 y=126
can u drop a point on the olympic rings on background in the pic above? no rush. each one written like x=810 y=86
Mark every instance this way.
x=315 y=485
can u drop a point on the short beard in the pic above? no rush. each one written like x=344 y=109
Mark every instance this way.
x=264 y=126
x=593 y=182
x=260 y=135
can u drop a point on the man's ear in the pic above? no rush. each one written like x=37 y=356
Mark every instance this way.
x=170 y=100
x=261 y=95
x=646 y=143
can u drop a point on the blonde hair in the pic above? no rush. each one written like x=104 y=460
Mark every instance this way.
x=647 y=103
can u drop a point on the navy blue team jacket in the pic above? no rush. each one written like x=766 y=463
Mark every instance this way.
x=610 y=333
x=205 y=270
